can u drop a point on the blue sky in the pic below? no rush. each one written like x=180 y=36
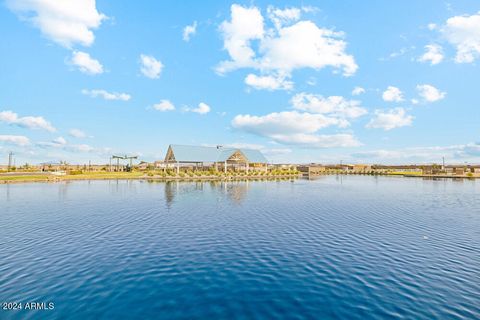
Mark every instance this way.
x=303 y=81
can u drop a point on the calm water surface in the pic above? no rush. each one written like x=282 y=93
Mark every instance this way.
x=338 y=247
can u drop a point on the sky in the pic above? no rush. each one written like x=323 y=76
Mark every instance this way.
x=389 y=82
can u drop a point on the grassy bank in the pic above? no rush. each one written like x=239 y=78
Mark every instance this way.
x=82 y=176
x=153 y=175
x=190 y=175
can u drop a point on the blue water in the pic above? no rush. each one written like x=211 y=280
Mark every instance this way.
x=353 y=247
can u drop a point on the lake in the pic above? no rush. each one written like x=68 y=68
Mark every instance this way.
x=343 y=247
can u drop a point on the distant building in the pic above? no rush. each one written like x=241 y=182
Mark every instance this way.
x=460 y=170
x=311 y=170
x=52 y=166
x=144 y=165
x=475 y=169
x=360 y=168
x=284 y=166
x=220 y=158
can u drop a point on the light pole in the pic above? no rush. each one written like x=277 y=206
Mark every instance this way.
x=10 y=158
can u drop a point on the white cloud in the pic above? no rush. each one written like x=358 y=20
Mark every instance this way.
x=276 y=151
x=358 y=91
x=61 y=144
x=246 y=25
x=390 y=119
x=164 y=105
x=471 y=149
x=334 y=105
x=64 y=22
x=429 y=93
x=60 y=141
x=392 y=94
x=85 y=63
x=29 y=122
x=280 y=17
x=433 y=54
x=269 y=82
x=292 y=127
x=285 y=122
x=304 y=45
x=189 y=31
x=81 y=148
x=202 y=108
x=463 y=32
x=319 y=141
x=283 y=49
x=77 y=133
x=432 y=26
x=151 y=67
x=16 y=140
x=452 y=154
x=106 y=95
x=375 y=154
x=396 y=54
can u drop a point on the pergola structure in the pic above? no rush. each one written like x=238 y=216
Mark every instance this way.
x=125 y=157
x=215 y=156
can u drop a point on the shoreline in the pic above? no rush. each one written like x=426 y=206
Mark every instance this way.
x=53 y=178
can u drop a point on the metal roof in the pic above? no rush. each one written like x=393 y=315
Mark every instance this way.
x=255 y=156
x=184 y=153
x=225 y=153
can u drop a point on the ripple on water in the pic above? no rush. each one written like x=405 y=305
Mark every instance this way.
x=351 y=247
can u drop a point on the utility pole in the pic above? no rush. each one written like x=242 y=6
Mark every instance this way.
x=10 y=158
x=443 y=163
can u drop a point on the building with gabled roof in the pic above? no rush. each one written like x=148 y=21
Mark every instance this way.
x=217 y=156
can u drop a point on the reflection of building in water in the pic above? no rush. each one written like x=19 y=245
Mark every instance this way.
x=62 y=190
x=235 y=191
x=175 y=188
x=170 y=191
x=7 y=190
x=123 y=187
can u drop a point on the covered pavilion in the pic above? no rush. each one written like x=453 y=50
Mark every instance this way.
x=218 y=157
